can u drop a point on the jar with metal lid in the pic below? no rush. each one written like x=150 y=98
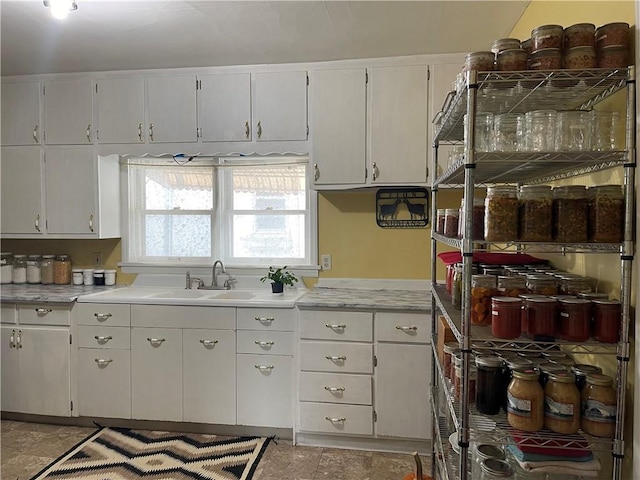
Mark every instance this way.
x=547 y=36
x=540 y=126
x=511 y=362
x=110 y=277
x=76 y=276
x=456 y=287
x=505 y=317
x=46 y=269
x=606 y=213
x=615 y=33
x=489 y=391
x=483 y=287
x=546 y=59
x=573 y=285
x=34 y=272
x=511 y=60
x=535 y=207
x=6 y=267
x=570 y=214
x=62 y=270
x=509 y=131
x=501 y=213
x=606 y=320
x=482 y=452
x=579 y=35
x=449 y=350
x=599 y=406
x=574 y=319
x=481 y=61
x=545 y=368
x=504 y=44
x=594 y=295
x=567 y=362
x=19 y=273
x=494 y=468
x=581 y=371
x=451 y=222
x=542 y=284
x=614 y=56
x=580 y=58
x=539 y=317
x=525 y=401
x=562 y=403
x=511 y=286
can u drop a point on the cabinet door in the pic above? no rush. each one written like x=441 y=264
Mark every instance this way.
x=280 y=106
x=156 y=374
x=264 y=390
x=171 y=105
x=10 y=382
x=209 y=368
x=225 y=107
x=104 y=382
x=71 y=189
x=68 y=112
x=402 y=401
x=21 y=113
x=338 y=125
x=120 y=103
x=21 y=191
x=44 y=365
x=398 y=140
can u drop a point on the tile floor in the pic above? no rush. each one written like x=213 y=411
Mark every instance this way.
x=26 y=448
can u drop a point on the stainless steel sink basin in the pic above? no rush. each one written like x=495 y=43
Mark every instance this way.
x=182 y=294
x=234 y=295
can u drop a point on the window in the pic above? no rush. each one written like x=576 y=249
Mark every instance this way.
x=246 y=211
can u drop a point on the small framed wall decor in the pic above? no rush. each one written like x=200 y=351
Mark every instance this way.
x=402 y=207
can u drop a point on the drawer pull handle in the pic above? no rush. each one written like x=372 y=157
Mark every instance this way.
x=264 y=319
x=333 y=358
x=334 y=389
x=43 y=311
x=335 y=326
x=264 y=344
x=103 y=339
x=413 y=328
x=208 y=343
x=101 y=317
x=264 y=367
x=103 y=362
x=155 y=341
x=336 y=419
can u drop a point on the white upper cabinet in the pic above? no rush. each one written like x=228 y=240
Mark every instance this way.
x=225 y=107
x=21 y=113
x=68 y=112
x=398 y=124
x=280 y=106
x=338 y=126
x=171 y=108
x=120 y=105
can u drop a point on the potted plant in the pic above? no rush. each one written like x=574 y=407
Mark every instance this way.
x=279 y=278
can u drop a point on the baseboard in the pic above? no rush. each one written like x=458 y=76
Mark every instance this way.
x=423 y=447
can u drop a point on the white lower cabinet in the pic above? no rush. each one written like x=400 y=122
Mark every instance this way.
x=104 y=382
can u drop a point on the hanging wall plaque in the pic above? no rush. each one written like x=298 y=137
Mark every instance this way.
x=402 y=207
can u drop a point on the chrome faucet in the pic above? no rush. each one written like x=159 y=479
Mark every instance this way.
x=214 y=278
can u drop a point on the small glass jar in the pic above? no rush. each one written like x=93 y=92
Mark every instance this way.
x=616 y=33
x=76 y=276
x=562 y=403
x=606 y=135
x=19 y=273
x=541 y=284
x=481 y=61
x=46 y=268
x=580 y=58
x=494 y=468
x=511 y=60
x=535 y=205
x=581 y=371
x=539 y=317
x=483 y=128
x=547 y=36
x=606 y=320
x=482 y=452
x=451 y=216
x=448 y=352
x=6 y=267
x=574 y=319
x=501 y=213
x=573 y=132
x=477 y=222
x=109 y=277
x=34 y=272
x=509 y=132
x=483 y=287
x=579 y=35
x=62 y=270
x=540 y=130
x=489 y=394
x=98 y=277
x=606 y=213
x=505 y=317
x=546 y=59
x=570 y=214
x=525 y=401
x=456 y=287
x=504 y=44
x=615 y=56
x=599 y=406
x=440 y=213
x=511 y=286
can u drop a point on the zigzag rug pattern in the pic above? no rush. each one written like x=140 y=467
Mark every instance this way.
x=123 y=454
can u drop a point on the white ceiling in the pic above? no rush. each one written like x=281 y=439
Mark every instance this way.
x=121 y=35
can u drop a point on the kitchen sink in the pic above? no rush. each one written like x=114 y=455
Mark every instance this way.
x=182 y=294
x=237 y=295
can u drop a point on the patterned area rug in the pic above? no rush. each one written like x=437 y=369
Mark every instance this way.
x=123 y=454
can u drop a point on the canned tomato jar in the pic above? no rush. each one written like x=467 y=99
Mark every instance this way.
x=505 y=317
x=539 y=317
x=606 y=320
x=574 y=319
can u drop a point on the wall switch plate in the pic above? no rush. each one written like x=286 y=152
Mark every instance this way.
x=97 y=258
x=325 y=262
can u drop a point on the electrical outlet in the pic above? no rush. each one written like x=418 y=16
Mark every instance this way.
x=325 y=262
x=97 y=258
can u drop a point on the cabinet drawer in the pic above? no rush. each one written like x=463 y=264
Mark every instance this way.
x=261 y=342
x=114 y=315
x=45 y=314
x=265 y=319
x=168 y=316
x=403 y=327
x=104 y=383
x=8 y=313
x=104 y=337
x=335 y=418
x=334 y=325
x=336 y=357
x=335 y=388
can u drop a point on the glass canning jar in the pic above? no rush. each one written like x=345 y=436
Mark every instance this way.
x=6 y=267
x=440 y=213
x=547 y=36
x=574 y=319
x=606 y=320
x=34 y=272
x=449 y=351
x=46 y=267
x=579 y=35
x=606 y=213
x=511 y=60
x=570 y=214
x=509 y=131
x=19 y=273
x=582 y=57
x=581 y=371
x=456 y=287
x=546 y=59
x=477 y=222
x=511 y=286
x=546 y=368
x=511 y=361
x=540 y=127
x=62 y=270
x=535 y=208
x=489 y=384
x=573 y=284
x=562 y=403
x=457 y=383
x=494 y=468
x=483 y=288
x=605 y=131
x=525 y=401
x=505 y=317
x=542 y=284
x=504 y=44
x=501 y=213
x=483 y=131
x=573 y=132
x=482 y=452
x=599 y=406
x=616 y=33
x=451 y=216
x=539 y=317
x=614 y=56
x=481 y=61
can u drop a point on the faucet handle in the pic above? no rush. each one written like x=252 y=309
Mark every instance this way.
x=229 y=281
x=197 y=282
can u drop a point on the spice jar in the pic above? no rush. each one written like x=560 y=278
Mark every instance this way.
x=570 y=214
x=34 y=272
x=482 y=452
x=456 y=287
x=581 y=371
x=606 y=213
x=494 y=468
x=541 y=284
x=489 y=394
x=62 y=270
x=505 y=317
x=511 y=286
x=535 y=207
x=501 y=213
x=539 y=317
x=440 y=220
x=6 y=267
x=547 y=36
x=46 y=269
x=579 y=35
x=19 y=273
x=449 y=350
x=525 y=401
x=562 y=403
x=606 y=320
x=599 y=405
x=483 y=287
x=451 y=222
x=574 y=319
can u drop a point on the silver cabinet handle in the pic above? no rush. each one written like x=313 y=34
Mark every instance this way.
x=264 y=367
x=341 y=358
x=103 y=362
x=259 y=129
x=140 y=131
x=264 y=344
x=89 y=132
x=101 y=317
x=264 y=319
x=247 y=130
x=412 y=328
x=333 y=389
x=91 y=222
x=335 y=326
x=151 y=131
x=155 y=341
x=35 y=133
x=37 y=223
x=336 y=419
x=316 y=172
x=19 y=339
x=375 y=171
x=43 y=311
x=103 y=339
x=12 y=339
x=208 y=343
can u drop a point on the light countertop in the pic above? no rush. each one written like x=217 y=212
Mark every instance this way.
x=321 y=297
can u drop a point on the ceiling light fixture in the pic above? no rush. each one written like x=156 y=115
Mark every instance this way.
x=60 y=8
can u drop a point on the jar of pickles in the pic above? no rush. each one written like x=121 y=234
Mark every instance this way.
x=62 y=270
x=561 y=403
x=501 y=214
x=606 y=213
x=483 y=288
x=535 y=206
x=606 y=320
x=599 y=406
x=570 y=214
x=525 y=401
x=574 y=319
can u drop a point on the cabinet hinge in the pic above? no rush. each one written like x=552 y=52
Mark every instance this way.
x=96 y=88
x=375 y=361
x=70 y=339
x=428 y=73
x=366 y=173
x=43 y=89
x=366 y=77
x=307 y=131
x=375 y=416
x=307 y=79
x=71 y=405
